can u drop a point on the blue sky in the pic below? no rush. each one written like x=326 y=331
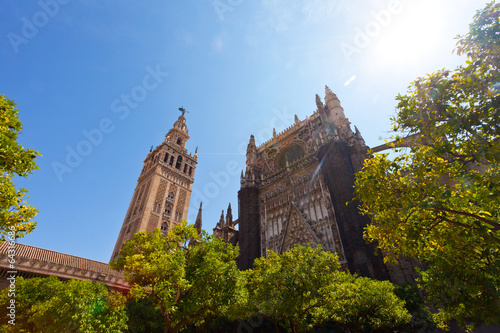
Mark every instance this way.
x=77 y=68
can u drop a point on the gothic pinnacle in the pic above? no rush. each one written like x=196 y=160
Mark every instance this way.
x=198 y=223
x=329 y=95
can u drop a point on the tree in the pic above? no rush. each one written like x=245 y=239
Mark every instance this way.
x=50 y=305
x=190 y=284
x=303 y=288
x=144 y=316
x=361 y=304
x=287 y=288
x=438 y=200
x=15 y=213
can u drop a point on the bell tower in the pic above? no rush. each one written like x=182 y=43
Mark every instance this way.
x=161 y=196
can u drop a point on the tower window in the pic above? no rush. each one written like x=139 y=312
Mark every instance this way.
x=171 y=160
x=168 y=210
x=164 y=228
x=179 y=161
x=165 y=159
x=185 y=168
x=190 y=170
x=179 y=141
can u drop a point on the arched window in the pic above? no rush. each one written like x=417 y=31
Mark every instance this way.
x=179 y=141
x=179 y=161
x=164 y=228
x=291 y=155
x=165 y=159
x=171 y=160
x=168 y=209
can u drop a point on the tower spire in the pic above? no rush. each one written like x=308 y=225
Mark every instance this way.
x=179 y=133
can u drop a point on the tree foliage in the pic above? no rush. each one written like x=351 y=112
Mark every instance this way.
x=15 y=213
x=303 y=288
x=190 y=284
x=361 y=304
x=50 y=305
x=439 y=200
x=288 y=287
x=144 y=316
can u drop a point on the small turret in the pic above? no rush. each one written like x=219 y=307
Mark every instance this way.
x=332 y=114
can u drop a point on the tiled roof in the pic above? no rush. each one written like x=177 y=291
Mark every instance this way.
x=58 y=258
x=33 y=261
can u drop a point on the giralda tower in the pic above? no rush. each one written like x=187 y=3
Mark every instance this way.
x=161 y=197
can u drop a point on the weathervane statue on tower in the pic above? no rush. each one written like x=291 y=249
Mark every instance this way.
x=181 y=109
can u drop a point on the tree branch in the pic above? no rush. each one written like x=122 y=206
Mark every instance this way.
x=477 y=217
x=496 y=239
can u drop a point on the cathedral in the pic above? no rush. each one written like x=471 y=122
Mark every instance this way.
x=297 y=188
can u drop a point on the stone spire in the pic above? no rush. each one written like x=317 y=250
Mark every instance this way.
x=229 y=216
x=221 y=221
x=319 y=103
x=198 y=224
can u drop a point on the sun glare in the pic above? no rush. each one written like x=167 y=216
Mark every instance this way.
x=411 y=35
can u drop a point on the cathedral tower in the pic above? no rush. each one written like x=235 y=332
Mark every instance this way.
x=161 y=197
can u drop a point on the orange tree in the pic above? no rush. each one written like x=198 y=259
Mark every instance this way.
x=15 y=160
x=51 y=305
x=439 y=200
x=303 y=288
x=190 y=284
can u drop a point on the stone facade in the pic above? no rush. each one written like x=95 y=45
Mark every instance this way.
x=298 y=189
x=161 y=197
